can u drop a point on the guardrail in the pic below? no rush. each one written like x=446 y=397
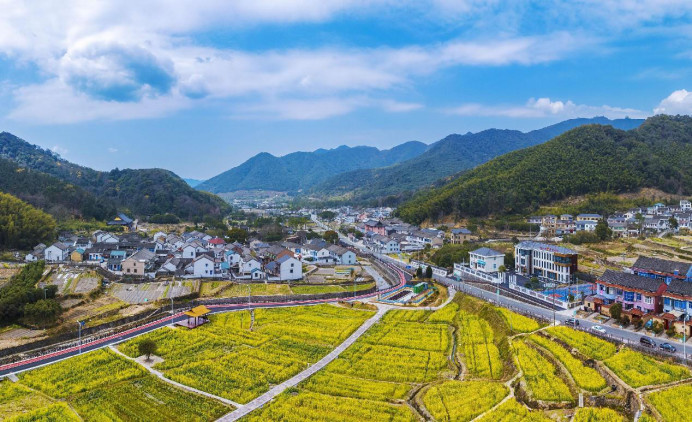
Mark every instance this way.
x=475 y=273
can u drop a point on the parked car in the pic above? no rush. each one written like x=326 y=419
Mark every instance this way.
x=646 y=341
x=598 y=329
x=667 y=347
x=572 y=322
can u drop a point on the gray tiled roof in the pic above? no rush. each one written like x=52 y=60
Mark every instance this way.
x=631 y=281
x=486 y=252
x=661 y=265
x=680 y=288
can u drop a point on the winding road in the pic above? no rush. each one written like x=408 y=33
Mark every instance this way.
x=38 y=361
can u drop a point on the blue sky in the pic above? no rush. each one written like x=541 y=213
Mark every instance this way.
x=199 y=87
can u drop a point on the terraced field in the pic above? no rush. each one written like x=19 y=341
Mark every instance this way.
x=100 y=386
x=225 y=358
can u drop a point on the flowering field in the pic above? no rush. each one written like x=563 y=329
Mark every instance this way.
x=462 y=401
x=371 y=378
x=54 y=412
x=540 y=375
x=226 y=359
x=590 y=346
x=19 y=401
x=519 y=323
x=513 y=411
x=481 y=356
x=597 y=414
x=101 y=385
x=674 y=403
x=308 y=406
x=585 y=377
x=639 y=370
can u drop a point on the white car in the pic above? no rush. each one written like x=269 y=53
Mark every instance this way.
x=598 y=329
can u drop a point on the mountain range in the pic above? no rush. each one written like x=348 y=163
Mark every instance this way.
x=47 y=181
x=588 y=159
x=446 y=157
x=301 y=170
x=367 y=175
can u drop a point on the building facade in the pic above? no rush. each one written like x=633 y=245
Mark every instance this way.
x=550 y=262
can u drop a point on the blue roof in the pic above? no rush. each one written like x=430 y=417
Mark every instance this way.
x=461 y=231
x=528 y=244
x=225 y=266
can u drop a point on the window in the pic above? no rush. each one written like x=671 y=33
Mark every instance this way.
x=291 y=271
x=128 y=270
x=135 y=270
x=639 y=296
x=648 y=300
x=667 y=301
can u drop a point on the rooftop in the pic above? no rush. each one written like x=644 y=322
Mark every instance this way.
x=661 y=265
x=528 y=244
x=631 y=281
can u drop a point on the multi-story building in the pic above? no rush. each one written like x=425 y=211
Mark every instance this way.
x=663 y=269
x=632 y=291
x=486 y=260
x=545 y=261
x=461 y=235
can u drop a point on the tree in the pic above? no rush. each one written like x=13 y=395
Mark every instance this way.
x=502 y=269
x=327 y=215
x=616 y=311
x=603 y=232
x=43 y=312
x=509 y=260
x=419 y=272
x=331 y=236
x=673 y=223
x=428 y=272
x=237 y=235
x=147 y=347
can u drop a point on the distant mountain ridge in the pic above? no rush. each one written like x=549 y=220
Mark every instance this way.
x=141 y=192
x=589 y=159
x=302 y=170
x=444 y=158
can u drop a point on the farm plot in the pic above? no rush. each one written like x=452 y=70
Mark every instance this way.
x=674 y=403
x=480 y=354
x=150 y=292
x=597 y=414
x=308 y=406
x=638 y=370
x=587 y=378
x=462 y=401
x=100 y=385
x=513 y=411
x=226 y=359
x=519 y=323
x=17 y=400
x=590 y=346
x=369 y=380
x=540 y=375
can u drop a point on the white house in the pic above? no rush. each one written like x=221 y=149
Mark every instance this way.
x=248 y=263
x=105 y=237
x=203 y=266
x=342 y=255
x=486 y=260
x=289 y=268
x=685 y=205
x=386 y=245
x=56 y=252
x=189 y=251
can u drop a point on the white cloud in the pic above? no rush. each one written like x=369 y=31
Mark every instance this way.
x=678 y=102
x=112 y=150
x=59 y=150
x=545 y=107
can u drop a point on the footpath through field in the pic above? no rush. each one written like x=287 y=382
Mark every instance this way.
x=292 y=382
x=177 y=384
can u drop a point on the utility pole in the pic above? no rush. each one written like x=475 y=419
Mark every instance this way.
x=252 y=311
x=80 y=323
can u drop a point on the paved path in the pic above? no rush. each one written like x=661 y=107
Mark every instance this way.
x=276 y=390
x=177 y=384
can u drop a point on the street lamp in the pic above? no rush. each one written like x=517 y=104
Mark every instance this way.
x=684 y=338
x=80 y=324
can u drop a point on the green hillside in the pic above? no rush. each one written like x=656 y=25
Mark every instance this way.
x=588 y=159
x=444 y=158
x=302 y=170
x=141 y=192
x=61 y=199
x=21 y=225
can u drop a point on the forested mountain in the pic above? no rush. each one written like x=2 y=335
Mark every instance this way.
x=141 y=192
x=446 y=157
x=61 y=199
x=21 y=225
x=588 y=159
x=301 y=170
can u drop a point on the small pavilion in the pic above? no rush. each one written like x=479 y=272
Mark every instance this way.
x=195 y=317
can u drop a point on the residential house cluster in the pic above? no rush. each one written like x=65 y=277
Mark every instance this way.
x=631 y=223
x=653 y=288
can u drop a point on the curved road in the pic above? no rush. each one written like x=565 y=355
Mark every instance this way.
x=35 y=362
